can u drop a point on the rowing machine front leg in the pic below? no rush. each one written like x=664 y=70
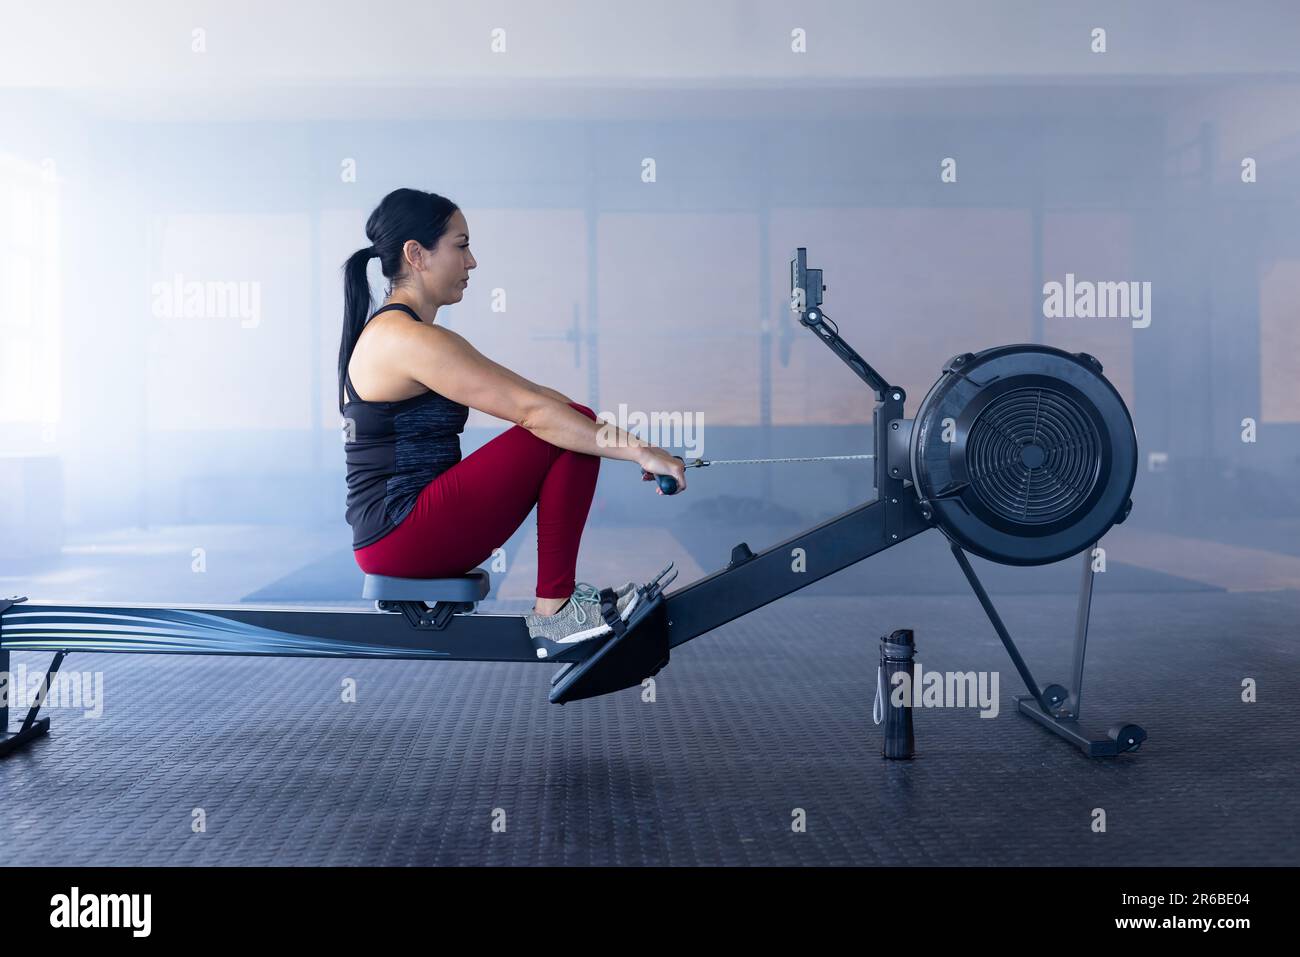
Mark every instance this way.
x=33 y=727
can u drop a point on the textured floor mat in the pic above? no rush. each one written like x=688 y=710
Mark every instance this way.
x=766 y=716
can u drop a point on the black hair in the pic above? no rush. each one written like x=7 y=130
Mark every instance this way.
x=402 y=215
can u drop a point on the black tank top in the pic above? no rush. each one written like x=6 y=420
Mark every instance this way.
x=395 y=449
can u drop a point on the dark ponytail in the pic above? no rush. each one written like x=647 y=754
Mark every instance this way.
x=402 y=215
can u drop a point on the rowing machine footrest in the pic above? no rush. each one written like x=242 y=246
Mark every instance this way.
x=631 y=654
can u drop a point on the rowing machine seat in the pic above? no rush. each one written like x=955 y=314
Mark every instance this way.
x=467 y=588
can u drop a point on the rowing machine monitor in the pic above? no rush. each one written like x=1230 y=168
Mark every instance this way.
x=806 y=286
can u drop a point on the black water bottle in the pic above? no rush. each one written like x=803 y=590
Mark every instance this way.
x=897 y=653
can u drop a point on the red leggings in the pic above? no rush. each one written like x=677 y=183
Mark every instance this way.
x=476 y=505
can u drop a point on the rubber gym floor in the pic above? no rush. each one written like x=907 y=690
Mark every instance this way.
x=259 y=761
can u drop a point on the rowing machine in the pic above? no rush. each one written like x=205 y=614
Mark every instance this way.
x=1022 y=454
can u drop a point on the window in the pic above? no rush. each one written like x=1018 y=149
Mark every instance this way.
x=30 y=333
x=1279 y=342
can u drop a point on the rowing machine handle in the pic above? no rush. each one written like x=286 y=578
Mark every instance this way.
x=667 y=484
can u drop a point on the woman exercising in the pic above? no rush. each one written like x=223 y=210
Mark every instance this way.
x=406 y=385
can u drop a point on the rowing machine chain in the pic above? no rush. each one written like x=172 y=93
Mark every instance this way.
x=698 y=463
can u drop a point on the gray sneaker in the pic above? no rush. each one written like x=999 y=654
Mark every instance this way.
x=579 y=620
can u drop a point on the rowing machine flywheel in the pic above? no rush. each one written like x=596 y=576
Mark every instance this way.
x=1024 y=454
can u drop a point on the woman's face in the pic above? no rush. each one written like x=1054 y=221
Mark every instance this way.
x=443 y=273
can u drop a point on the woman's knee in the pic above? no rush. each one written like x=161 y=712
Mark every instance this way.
x=583 y=409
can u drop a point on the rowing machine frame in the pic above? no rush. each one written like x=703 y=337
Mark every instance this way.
x=455 y=631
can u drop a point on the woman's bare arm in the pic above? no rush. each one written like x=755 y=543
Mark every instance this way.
x=448 y=364
x=558 y=396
